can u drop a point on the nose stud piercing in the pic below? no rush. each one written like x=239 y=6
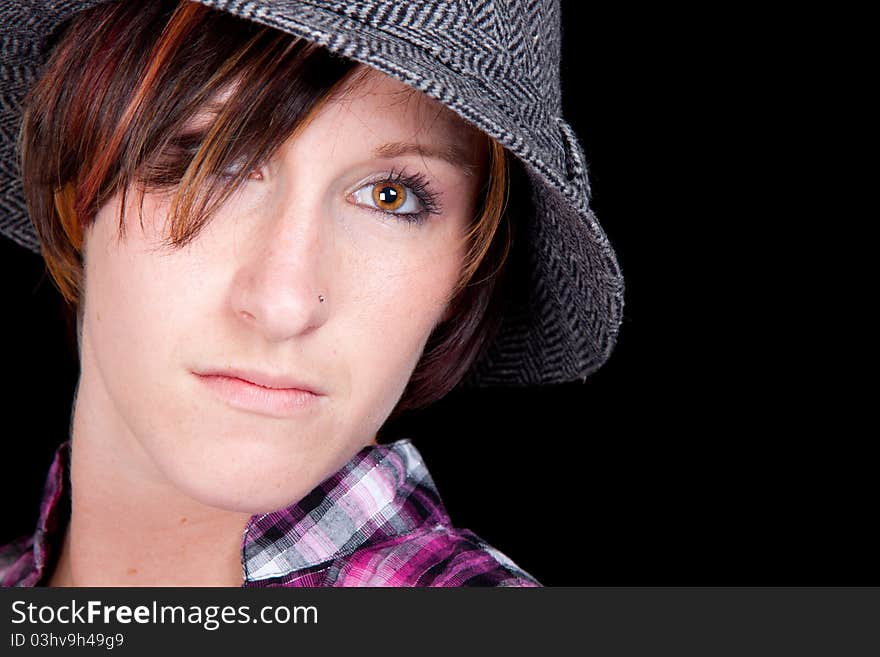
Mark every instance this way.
x=321 y=298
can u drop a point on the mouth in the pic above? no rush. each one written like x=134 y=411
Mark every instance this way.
x=260 y=393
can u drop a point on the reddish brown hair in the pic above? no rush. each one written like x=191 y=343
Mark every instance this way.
x=109 y=110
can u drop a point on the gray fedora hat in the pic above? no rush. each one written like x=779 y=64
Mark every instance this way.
x=496 y=64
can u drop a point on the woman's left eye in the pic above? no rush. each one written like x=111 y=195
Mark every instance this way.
x=405 y=197
x=389 y=196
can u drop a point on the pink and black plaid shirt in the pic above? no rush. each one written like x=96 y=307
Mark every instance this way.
x=378 y=521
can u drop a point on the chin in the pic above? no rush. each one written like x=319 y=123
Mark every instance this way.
x=251 y=495
x=238 y=481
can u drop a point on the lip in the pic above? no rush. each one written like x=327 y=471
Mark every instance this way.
x=260 y=393
x=264 y=380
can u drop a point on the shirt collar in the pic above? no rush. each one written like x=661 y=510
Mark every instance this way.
x=382 y=492
x=52 y=521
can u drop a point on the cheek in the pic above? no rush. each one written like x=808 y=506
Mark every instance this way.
x=405 y=291
x=396 y=314
x=134 y=302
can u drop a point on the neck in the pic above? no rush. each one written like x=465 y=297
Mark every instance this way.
x=129 y=526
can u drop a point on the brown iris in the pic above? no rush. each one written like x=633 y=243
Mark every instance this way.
x=389 y=195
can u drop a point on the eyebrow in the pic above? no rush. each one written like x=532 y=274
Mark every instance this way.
x=447 y=152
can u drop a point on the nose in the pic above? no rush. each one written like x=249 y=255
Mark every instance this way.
x=280 y=286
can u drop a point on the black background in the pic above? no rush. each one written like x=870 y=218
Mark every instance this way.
x=715 y=447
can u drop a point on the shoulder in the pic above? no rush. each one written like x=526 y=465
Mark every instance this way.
x=435 y=556
x=468 y=560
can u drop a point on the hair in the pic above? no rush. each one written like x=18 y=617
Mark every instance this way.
x=109 y=110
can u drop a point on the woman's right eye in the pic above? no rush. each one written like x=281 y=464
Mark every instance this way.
x=233 y=169
x=183 y=151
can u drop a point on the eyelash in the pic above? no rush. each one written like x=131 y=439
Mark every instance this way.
x=418 y=184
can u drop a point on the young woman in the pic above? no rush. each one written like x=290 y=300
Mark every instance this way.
x=278 y=226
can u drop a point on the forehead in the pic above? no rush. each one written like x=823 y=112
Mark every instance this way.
x=384 y=108
x=370 y=89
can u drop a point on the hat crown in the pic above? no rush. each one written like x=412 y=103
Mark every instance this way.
x=503 y=42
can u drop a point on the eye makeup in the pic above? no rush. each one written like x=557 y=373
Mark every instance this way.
x=416 y=183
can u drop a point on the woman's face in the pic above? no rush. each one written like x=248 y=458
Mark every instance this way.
x=244 y=296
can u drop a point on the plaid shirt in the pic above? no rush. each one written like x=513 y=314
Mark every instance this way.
x=377 y=521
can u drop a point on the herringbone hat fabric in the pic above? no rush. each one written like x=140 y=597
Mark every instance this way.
x=493 y=62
